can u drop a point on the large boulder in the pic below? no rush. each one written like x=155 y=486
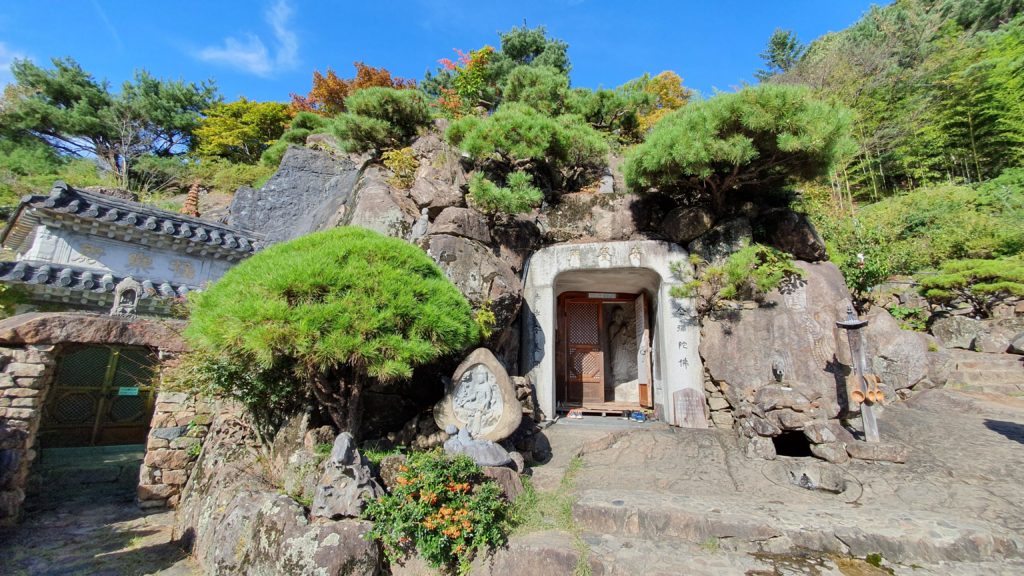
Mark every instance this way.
x=793 y=334
x=684 y=224
x=483 y=278
x=791 y=232
x=904 y=359
x=717 y=244
x=237 y=524
x=602 y=217
x=464 y=222
x=377 y=206
x=440 y=177
x=307 y=193
x=956 y=331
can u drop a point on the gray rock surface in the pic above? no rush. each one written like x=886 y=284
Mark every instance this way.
x=684 y=224
x=347 y=483
x=479 y=274
x=464 y=222
x=236 y=524
x=1017 y=344
x=482 y=452
x=439 y=178
x=961 y=490
x=307 y=193
x=722 y=240
x=791 y=232
x=956 y=331
x=377 y=206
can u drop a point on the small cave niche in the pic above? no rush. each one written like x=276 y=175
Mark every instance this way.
x=793 y=444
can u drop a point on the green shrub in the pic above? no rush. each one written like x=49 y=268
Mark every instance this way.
x=562 y=153
x=543 y=88
x=518 y=197
x=222 y=176
x=381 y=118
x=760 y=138
x=336 y=310
x=443 y=507
x=910 y=318
x=747 y=274
x=403 y=165
x=980 y=283
x=303 y=125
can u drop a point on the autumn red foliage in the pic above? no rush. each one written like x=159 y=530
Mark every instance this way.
x=327 y=97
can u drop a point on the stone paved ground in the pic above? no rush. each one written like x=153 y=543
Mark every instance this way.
x=84 y=522
x=670 y=501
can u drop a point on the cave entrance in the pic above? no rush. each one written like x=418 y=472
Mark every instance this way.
x=603 y=351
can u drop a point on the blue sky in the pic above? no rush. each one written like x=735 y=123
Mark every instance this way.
x=267 y=49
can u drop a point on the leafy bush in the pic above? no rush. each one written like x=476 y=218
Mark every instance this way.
x=335 y=310
x=910 y=318
x=381 y=118
x=240 y=131
x=760 y=138
x=747 y=274
x=518 y=197
x=223 y=176
x=562 y=153
x=304 y=124
x=980 y=283
x=443 y=507
x=403 y=165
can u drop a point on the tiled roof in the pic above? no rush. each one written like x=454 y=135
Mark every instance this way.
x=83 y=279
x=67 y=201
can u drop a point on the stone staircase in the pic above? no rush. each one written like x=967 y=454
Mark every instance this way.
x=983 y=372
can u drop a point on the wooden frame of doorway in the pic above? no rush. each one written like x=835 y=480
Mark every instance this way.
x=585 y=347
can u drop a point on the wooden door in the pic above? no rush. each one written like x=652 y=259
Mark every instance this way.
x=584 y=359
x=643 y=352
x=101 y=396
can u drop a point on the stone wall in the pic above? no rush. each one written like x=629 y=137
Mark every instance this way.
x=29 y=347
x=26 y=375
x=180 y=423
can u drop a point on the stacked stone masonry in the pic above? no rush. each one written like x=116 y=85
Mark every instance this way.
x=180 y=423
x=24 y=378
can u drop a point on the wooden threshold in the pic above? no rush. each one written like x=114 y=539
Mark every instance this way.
x=602 y=408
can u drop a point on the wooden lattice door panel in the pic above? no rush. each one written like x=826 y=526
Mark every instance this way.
x=101 y=396
x=584 y=357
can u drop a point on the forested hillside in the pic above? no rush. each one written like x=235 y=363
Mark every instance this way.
x=937 y=91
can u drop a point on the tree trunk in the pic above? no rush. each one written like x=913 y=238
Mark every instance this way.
x=341 y=397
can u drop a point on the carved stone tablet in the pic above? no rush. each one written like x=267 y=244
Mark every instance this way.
x=481 y=399
x=689 y=407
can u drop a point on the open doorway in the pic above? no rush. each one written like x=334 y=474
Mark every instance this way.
x=603 y=352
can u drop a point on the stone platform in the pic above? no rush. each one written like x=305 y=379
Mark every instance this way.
x=663 y=501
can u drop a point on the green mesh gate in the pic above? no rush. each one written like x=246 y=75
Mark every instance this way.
x=102 y=395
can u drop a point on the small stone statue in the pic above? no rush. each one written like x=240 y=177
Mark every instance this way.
x=347 y=482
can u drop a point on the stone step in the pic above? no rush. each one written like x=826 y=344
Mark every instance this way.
x=991 y=388
x=766 y=527
x=988 y=376
x=611 y=555
x=966 y=360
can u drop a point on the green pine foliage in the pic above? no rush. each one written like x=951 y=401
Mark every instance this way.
x=561 y=153
x=302 y=125
x=518 y=196
x=980 y=283
x=334 y=309
x=381 y=118
x=759 y=139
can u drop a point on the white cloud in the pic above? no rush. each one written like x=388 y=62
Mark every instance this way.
x=251 y=54
x=7 y=57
